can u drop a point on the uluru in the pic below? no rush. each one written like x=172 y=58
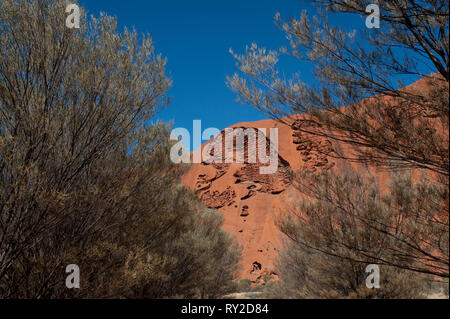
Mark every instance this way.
x=250 y=202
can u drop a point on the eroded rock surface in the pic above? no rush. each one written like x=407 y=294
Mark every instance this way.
x=250 y=200
x=247 y=198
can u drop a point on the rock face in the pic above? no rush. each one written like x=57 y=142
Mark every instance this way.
x=249 y=200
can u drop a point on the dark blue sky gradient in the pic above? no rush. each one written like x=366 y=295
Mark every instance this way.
x=196 y=35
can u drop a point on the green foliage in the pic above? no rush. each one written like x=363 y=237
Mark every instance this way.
x=267 y=279
x=243 y=285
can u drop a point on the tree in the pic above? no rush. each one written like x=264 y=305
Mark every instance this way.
x=85 y=175
x=359 y=101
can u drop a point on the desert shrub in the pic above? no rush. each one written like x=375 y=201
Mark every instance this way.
x=344 y=222
x=356 y=97
x=311 y=274
x=243 y=285
x=85 y=172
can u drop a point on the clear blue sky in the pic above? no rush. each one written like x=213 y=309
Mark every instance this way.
x=195 y=36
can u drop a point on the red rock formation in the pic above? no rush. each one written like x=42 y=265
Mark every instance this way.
x=250 y=201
